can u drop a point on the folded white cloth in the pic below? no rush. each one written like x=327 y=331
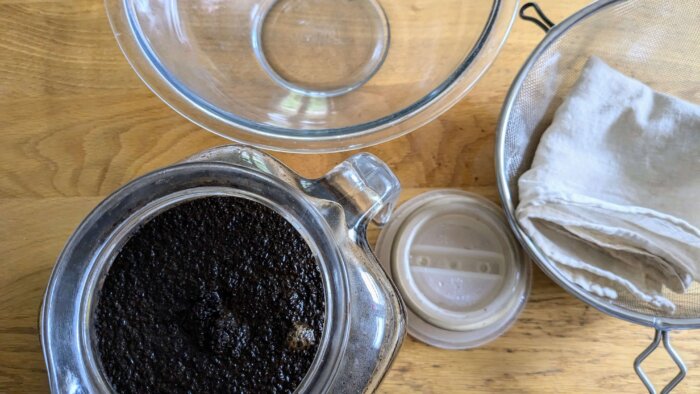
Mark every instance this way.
x=613 y=195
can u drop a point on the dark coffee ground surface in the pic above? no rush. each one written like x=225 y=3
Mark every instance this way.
x=215 y=295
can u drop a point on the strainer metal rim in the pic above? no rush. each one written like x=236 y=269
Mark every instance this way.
x=659 y=323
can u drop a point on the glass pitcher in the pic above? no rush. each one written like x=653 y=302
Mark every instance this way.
x=364 y=315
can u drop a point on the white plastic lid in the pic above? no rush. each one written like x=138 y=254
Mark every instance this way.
x=460 y=273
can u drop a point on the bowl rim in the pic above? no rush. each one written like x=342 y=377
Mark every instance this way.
x=227 y=125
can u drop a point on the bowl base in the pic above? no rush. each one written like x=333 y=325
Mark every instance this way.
x=321 y=47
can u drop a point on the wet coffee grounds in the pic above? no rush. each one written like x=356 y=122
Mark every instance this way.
x=215 y=295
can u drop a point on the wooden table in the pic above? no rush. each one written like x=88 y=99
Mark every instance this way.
x=76 y=123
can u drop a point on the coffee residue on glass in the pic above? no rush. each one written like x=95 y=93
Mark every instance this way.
x=217 y=294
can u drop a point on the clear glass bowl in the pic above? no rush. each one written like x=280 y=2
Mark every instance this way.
x=311 y=75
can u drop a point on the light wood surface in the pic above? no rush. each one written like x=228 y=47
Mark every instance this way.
x=76 y=123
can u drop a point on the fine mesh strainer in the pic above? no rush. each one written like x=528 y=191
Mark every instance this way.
x=655 y=41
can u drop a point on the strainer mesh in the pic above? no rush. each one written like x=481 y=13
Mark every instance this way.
x=657 y=42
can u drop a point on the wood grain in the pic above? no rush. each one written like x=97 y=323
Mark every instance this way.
x=76 y=123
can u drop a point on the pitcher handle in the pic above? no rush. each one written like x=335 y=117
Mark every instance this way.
x=364 y=186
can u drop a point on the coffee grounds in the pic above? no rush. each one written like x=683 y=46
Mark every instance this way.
x=218 y=294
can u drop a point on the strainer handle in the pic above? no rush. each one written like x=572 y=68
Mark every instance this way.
x=665 y=336
x=541 y=20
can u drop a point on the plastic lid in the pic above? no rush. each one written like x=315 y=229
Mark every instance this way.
x=458 y=269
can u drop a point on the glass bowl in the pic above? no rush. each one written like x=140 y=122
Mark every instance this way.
x=310 y=75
